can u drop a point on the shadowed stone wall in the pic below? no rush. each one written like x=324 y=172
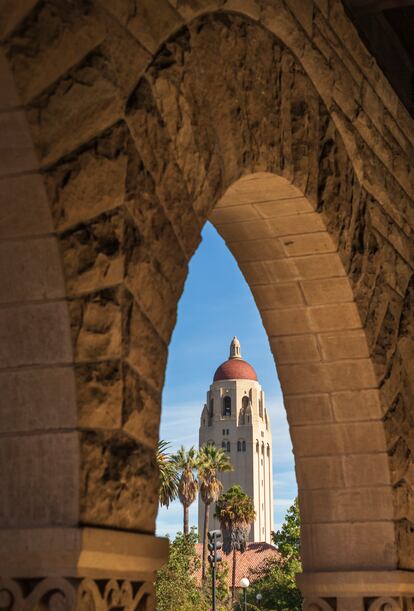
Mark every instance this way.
x=141 y=119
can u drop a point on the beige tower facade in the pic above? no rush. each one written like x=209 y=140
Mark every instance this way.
x=235 y=418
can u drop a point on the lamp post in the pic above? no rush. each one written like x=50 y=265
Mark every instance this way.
x=244 y=582
x=259 y=598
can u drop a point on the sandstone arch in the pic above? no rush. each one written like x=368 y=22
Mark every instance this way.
x=137 y=131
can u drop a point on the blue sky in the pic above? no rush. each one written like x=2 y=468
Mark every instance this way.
x=216 y=305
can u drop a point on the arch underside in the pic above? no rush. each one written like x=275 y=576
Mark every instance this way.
x=223 y=124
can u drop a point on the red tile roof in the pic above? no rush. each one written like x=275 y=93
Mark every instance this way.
x=247 y=562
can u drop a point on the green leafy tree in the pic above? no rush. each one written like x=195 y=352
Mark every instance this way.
x=168 y=474
x=275 y=579
x=186 y=463
x=235 y=512
x=211 y=462
x=175 y=584
x=287 y=539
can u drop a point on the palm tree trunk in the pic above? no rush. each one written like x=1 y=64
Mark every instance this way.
x=233 y=577
x=185 y=525
x=206 y=517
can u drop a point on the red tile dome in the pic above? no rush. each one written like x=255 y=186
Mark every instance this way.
x=235 y=369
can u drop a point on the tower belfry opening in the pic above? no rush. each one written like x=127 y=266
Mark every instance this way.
x=235 y=419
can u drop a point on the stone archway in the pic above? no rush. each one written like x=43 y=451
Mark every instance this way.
x=134 y=143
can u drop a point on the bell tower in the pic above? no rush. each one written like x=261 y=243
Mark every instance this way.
x=235 y=419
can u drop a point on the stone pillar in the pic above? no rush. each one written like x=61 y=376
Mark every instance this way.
x=357 y=591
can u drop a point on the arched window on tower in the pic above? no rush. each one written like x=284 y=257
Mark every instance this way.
x=261 y=406
x=243 y=411
x=241 y=445
x=228 y=446
x=210 y=412
x=227 y=406
x=266 y=420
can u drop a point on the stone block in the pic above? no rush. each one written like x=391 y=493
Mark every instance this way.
x=16 y=148
x=349 y=546
x=31 y=270
x=40 y=480
x=24 y=208
x=356 y=504
x=308 y=244
x=277 y=208
x=154 y=292
x=8 y=95
x=96 y=322
x=344 y=345
x=94 y=253
x=279 y=295
x=99 y=395
x=145 y=351
x=38 y=399
x=84 y=102
x=269 y=272
x=141 y=409
x=91 y=183
x=318 y=266
x=150 y=24
x=233 y=214
x=326 y=290
x=320 y=472
x=326 y=377
x=357 y=405
x=11 y=13
x=290 y=321
x=295 y=349
x=190 y=9
x=37 y=334
x=38 y=60
x=367 y=470
x=249 y=230
x=341 y=316
x=292 y=225
x=335 y=317
x=263 y=187
x=303 y=11
x=334 y=439
x=119 y=482
x=256 y=250
x=308 y=409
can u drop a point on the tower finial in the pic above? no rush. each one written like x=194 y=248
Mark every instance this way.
x=235 y=349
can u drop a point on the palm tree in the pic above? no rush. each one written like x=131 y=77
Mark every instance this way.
x=186 y=462
x=211 y=461
x=235 y=511
x=168 y=474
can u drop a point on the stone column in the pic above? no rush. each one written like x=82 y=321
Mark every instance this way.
x=357 y=591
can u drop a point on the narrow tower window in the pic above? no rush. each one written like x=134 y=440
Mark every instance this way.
x=243 y=410
x=227 y=406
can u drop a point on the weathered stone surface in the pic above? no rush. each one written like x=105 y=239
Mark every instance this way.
x=99 y=393
x=89 y=182
x=151 y=24
x=119 y=482
x=50 y=41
